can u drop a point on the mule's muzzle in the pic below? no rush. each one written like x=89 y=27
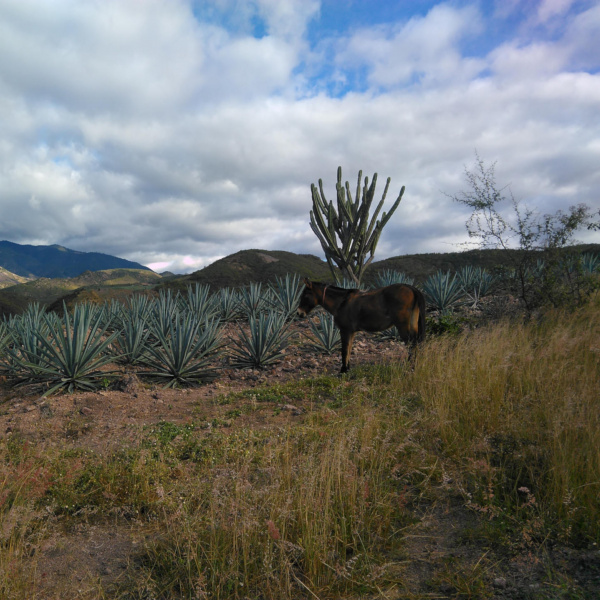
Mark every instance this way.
x=300 y=312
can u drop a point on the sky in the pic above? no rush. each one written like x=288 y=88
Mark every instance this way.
x=176 y=132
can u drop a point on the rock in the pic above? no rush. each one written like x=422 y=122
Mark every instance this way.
x=129 y=384
x=500 y=583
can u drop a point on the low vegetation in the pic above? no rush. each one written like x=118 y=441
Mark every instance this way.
x=496 y=428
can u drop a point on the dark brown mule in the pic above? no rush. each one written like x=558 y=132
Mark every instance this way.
x=353 y=310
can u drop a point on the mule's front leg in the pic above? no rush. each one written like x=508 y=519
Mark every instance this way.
x=347 y=339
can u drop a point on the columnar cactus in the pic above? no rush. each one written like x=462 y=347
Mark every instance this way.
x=348 y=235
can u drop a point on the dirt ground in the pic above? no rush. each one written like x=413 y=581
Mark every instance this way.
x=72 y=561
x=110 y=416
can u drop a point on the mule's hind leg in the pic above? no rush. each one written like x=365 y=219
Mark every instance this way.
x=409 y=337
x=347 y=339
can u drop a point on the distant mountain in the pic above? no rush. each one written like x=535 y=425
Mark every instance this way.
x=57 y=261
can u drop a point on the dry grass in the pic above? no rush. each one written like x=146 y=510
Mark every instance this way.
x=520 y=403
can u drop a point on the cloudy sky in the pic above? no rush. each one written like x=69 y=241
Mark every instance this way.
x=176 y=132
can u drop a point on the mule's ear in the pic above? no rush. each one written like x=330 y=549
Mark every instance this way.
x=308 y=283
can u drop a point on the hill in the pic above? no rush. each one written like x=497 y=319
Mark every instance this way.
x=92 y=285
x=246 y=266
x=420 y=266
x=241 y=268
x=7 y=278
x=57 y=261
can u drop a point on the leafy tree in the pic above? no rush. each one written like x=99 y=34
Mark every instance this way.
x=349 y=234
x=541 y=267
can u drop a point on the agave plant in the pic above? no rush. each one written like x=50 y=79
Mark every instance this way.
x=227 y=303
x=286 y=293
x=23 y=352
x=5 y=339
x=163 y=311
x=467 y=276
x=182 y=354
x=132 y=340
x=390 y=277
x=326 y=334
x=390 y=334
x=443 y=291
x=5 y=335
x=253 y=300
x=112 y=314
x=348 y=284
x=199 y=302
x=69 y=353
x=139 y=306
x=537 y=271
x=590 y=262
x=476 y=283
x=262 y=345
x=32 y=317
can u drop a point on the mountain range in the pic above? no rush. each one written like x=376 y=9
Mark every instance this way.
x=56 y=261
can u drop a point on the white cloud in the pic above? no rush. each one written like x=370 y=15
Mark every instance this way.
x=424 y=48
x=164 y=137
x=549 y=9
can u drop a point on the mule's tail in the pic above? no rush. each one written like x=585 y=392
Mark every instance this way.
x=418 y=318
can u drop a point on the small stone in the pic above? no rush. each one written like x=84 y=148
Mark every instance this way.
x=499 y=583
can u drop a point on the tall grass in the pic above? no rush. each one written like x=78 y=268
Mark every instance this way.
x=520 y=404
x=311 y=509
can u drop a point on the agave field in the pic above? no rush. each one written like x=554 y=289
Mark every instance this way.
x=175 y=338
x=172 y=339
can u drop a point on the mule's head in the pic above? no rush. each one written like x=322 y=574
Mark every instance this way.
x=308 y=299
